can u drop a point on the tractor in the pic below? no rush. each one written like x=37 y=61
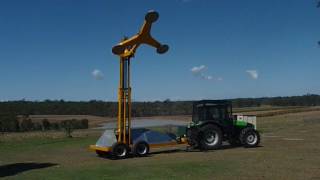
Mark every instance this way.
x=213 y=123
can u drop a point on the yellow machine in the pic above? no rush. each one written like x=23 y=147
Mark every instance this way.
x=120 y=145
x=126 y=50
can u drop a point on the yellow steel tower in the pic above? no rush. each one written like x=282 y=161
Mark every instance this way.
x=126 y=50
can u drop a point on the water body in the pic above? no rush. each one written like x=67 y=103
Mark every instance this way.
x=143 y=123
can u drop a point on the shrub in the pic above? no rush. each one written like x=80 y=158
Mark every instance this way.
x=26 y=125
x=84 y=123
x=9 y=123
x=37 y=126
x=45 y=124
x=55 y=126
x=68 y=126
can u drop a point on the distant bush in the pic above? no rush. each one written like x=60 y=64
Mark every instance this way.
x=26 y=125
x=45 y=124
x=68 y=126
x=37 y=126
x=84 y=123
x=55 y=126
x=9 y=123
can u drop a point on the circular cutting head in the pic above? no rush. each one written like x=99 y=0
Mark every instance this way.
x=163 y=49
x=151 y=16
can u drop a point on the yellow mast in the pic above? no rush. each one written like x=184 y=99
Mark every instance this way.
x=126 y=50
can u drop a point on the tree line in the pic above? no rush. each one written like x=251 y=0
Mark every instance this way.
x=155 y=108
x=11 y=123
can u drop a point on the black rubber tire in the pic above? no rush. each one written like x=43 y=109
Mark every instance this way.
x=119 y=150
x=208 y=131
x=141 y=149
x=193 y=138
x=246 y=136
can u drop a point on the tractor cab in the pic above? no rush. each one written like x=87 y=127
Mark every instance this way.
x=212 y=110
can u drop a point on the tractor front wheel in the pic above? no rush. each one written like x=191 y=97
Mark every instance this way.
x=250 y=137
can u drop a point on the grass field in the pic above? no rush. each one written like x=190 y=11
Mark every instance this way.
x=290 y=149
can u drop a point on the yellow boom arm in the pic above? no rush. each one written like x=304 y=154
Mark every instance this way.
x=128 y=47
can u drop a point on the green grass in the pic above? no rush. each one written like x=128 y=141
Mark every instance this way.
x=63 y=153
x=276 y=159
x=157 y=171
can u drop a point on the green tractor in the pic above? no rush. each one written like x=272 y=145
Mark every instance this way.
x=213 y=123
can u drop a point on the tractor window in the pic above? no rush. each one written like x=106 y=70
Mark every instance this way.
x=223 y=113
x=201 y=114
x=212 y=113
x=198 y=114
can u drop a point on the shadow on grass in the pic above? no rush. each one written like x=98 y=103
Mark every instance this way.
x=198 y=150
x=16 y=168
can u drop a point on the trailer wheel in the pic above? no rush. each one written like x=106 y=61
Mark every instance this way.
x=211 y=137
x=120 y=150
x=141 y=149
x=250 y=137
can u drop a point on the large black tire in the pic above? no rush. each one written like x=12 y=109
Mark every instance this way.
x=141 y=149
x=249 y=137
x=211 y=137
x=193 y=138
x=120 y=150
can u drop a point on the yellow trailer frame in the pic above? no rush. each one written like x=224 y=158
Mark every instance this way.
x=156 y=145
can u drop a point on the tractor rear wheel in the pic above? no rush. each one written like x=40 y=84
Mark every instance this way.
x=120 y=150
x=211 y=137
x=141 y=149
x=249 y=137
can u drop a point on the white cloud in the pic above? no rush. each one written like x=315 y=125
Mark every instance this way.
x=208 y=77
x=199 y=71
x=253 y=74
x=203 y=76
x=97 y=74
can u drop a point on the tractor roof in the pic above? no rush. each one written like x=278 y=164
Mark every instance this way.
x=212 y=102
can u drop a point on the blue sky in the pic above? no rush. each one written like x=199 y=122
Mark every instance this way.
x=50 y=49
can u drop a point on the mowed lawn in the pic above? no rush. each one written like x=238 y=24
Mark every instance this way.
x=290 y=149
